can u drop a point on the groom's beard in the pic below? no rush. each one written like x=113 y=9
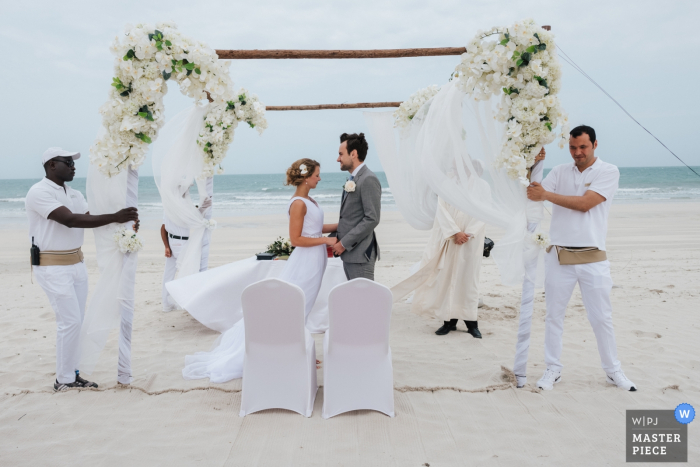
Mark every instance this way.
x=345 y=168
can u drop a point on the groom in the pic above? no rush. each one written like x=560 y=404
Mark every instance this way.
x=360 y=208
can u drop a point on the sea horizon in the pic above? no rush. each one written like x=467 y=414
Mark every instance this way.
x=261 y=194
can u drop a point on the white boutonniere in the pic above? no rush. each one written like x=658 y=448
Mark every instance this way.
x=349 y=186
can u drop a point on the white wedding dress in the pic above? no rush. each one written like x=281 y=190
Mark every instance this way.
x=305 y=268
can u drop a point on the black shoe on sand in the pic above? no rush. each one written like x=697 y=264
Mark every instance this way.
x=60 y=387
x=473 y=328
x=84 y=383
x=450 y=325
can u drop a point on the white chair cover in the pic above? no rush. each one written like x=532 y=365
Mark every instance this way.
x=279 y=371
x=358 y=374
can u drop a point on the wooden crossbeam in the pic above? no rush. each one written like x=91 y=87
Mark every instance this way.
x=361 y=105
x=381 y=53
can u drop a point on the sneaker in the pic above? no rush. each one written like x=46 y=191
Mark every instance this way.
x=60 y=387
x=620 y=380
x=548 y=379
x=84 y=383
x=520 y=381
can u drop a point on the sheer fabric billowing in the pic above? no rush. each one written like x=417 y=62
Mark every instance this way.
x=456 y=142
x=115 y=287
x=177 y=165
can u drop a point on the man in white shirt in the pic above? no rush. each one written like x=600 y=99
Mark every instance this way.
x=57 y=216
x=175 y=237
x=581 y=193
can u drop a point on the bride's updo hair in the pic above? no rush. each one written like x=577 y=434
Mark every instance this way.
x=295 y=177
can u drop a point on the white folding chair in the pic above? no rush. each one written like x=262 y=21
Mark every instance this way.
x=279 y=371
x=357 y=370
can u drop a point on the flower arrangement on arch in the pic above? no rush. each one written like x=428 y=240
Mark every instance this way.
x=522 y=66
x=410 y=107
x=147 y=57
x=540 y=239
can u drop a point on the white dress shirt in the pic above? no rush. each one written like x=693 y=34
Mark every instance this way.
x=575 y=228
x=42 y=199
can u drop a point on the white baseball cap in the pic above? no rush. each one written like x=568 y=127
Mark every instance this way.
x=57 y=152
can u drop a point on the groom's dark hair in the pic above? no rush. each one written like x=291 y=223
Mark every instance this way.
x=581 y=129
x=356 y=142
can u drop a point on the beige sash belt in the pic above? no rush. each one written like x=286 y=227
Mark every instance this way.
x=582 y=255
x=60 y=258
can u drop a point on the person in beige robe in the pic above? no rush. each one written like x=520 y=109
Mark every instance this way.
x=447 y=282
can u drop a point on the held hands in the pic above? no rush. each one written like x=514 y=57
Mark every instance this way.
x=535 y=192
x=338 y=249
x=330 y=241
x=168 y=252
x=461 y=238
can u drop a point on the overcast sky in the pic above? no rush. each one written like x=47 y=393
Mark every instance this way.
x=56 y=70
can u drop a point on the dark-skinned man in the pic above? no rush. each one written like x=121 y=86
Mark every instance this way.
x=581 y=193
x=57 y=216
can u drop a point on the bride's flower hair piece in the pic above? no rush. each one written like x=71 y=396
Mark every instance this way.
x=300 y=171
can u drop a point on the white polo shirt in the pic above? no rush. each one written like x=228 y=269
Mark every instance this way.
x=576 y=228
x=175 y=229
x=42 y=199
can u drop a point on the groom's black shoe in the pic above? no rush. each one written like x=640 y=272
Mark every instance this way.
x=450 y=325
x=84 y=383
x=473 y=328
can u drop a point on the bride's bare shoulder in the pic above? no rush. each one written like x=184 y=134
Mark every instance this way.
x=298 y=206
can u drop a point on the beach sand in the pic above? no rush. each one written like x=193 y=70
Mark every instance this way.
x=455 y=399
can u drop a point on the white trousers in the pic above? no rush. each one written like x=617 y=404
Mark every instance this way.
x=527 y=303
x=176 y=247
x=67 y=289
x=595 y=283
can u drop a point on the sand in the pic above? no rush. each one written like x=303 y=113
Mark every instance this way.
x=455 y=401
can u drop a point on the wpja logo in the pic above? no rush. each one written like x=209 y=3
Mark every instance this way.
x=658 y=435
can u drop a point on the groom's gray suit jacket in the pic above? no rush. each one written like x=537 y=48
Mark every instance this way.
x=359 y=215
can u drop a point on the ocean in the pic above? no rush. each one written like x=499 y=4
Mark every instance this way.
x=244 y=195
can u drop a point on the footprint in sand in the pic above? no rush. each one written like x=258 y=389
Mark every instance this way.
x=658 y=291
x=653 y=335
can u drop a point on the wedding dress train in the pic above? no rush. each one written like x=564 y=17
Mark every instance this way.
x=305 y=268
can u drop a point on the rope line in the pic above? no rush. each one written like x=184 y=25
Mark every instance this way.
x=570 y=61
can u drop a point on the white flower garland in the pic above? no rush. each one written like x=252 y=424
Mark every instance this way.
x=410 y=107
x=522 y=64
x=127 y=240
x=146 y=58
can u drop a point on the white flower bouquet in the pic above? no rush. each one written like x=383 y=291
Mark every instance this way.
x=127 y=240
x=520 y=64
x=147 y=57
x=541 y=239
x=410 y=107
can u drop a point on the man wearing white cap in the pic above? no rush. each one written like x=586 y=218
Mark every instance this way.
x=57 y=216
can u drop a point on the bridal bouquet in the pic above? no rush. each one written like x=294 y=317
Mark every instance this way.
x=280 y=247
x=410 y=107
x=520 y=64
x=146 y=58
x=127 y=240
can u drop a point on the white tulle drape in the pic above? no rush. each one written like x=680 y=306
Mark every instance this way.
x=451 y=147
x=177 y=164
x=115 y=287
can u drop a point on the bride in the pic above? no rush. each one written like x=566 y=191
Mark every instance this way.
x=305 y=268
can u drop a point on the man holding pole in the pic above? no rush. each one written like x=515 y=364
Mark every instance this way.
x=581 y=193
x=57 y=216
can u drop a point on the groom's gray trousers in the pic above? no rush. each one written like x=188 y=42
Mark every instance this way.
x=364 y=270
